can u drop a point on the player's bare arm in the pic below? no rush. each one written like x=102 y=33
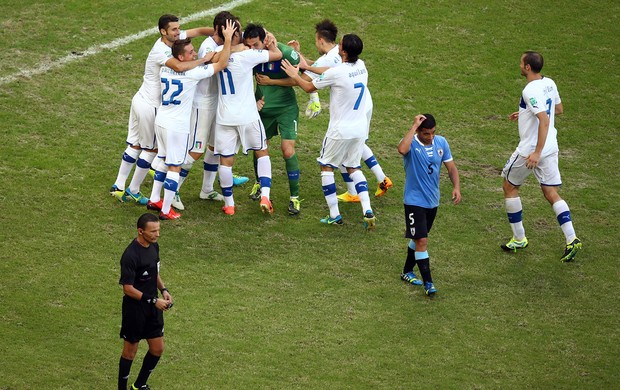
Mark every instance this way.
x=262 y=79
x=543 y=130
x=274 y=52
x=200 y=32
x=514 y=116
x=453 y=173
x=404 y=146
x=293 y=72
x=559 y=109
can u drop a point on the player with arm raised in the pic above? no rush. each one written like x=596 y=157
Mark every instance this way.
x=326 y=44
x=423 y=153
x=280 y=112
x=173 y=120
x=348 y=124
x=141 y=145
x=202 y=124
x=238 y=123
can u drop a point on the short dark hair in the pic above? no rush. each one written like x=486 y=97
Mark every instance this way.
x=327 y=30
x=220 y=23
x=220 y=19
x=428 y=123
x=178 y=47
x=165 y=20
x=254 y=30
x=145 y=219
x=353 y=46
x=534 y=60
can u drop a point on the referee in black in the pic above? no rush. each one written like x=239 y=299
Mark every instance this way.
x=142 y=309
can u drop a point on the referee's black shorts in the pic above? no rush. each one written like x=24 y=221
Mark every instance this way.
x=141 y=321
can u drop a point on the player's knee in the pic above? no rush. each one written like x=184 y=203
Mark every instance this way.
x=421 y=244
x=157 y=350
x=288 y=152
x=130 y=350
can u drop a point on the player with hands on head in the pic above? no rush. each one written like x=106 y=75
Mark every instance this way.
x=423 y=153
x=238 y=124
x=173 y=120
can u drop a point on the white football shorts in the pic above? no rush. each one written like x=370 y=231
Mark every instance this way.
x=172 y=146
x=250 y=136
x=141 y=126
x=547 y=171
x=336 y=152
x=202 y=132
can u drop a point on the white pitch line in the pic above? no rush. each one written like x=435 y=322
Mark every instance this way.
x=44 y=68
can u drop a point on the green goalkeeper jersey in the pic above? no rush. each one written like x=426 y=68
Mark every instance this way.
x=276 y=96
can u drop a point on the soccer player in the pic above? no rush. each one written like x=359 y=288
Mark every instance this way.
x=327 y=46
x=280 y=111
x=537 y=152
x=142 y=309
x=348 y=124
x=202 y=121
x=238 y=123
x=142 y=147
x=172 y=124
x=423 y=152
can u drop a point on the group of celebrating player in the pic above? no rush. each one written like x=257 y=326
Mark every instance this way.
x=193 y=104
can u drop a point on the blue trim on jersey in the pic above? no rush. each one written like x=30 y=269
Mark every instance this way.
x=564 y=217
x=515 y=217
x=522 y=103
x=422 y=166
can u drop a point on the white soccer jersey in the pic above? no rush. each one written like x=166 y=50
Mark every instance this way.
x=537 y=96
x=177 y=97
x=236 y=104
x=151 y=87
x=348 y=99
x=329 y=59
x=206 y=91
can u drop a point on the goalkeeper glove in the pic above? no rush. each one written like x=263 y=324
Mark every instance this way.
x=314 y=106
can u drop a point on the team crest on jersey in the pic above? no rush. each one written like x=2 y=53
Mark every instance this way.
x=294 y=55
x=440 y=152
x=533 y=102
x=198 y=144
x=322 y=76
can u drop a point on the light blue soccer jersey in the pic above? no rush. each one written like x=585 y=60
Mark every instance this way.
x=422 y=165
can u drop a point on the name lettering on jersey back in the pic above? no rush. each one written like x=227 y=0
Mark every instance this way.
x=171 y=71
x=358 y=72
